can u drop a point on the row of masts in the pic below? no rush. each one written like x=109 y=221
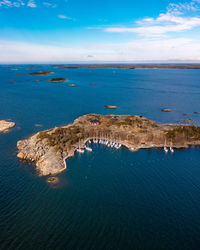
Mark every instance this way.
x=170 y=148
x=166 y=149
x=111 y=144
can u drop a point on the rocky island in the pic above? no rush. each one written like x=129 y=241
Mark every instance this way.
x=41 y=73
x=50 y=149
x=131 y=66
x=5 y=126
x=71 y=85
x=110 y=107
x=59 y=79
x=166 y=110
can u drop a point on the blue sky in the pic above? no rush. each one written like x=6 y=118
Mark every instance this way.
x=62 y=31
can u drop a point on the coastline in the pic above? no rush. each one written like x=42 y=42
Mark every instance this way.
x=130 y=66
x=128 y=147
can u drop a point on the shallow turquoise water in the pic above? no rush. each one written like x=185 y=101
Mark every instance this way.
x=106 y=199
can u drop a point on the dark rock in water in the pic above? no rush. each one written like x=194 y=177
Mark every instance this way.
x=53 y=180
x=197 y=113
x=11 y=82
x=71 y=85
x=41 y=73
x=60 y=79
x=110 y=107
x=166 y=110
x=38 y=125
x=188 y=121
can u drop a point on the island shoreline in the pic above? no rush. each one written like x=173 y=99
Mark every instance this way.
x=49 y=150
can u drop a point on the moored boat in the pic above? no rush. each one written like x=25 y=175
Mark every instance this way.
x=88 y=149
x=80 y=150
x=165 y=149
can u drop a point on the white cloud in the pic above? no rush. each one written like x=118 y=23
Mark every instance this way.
x=173 y=20
x=47 y=4
x=165 y=23
x=28 y=3
x=16 y=3
x=19 y=52
x=138 y=50
x=181 y=7
x=31 y=3
x=65 y=17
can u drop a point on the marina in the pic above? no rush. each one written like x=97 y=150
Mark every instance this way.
x=114 y=145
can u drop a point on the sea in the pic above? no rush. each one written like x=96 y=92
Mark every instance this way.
x=107 y=198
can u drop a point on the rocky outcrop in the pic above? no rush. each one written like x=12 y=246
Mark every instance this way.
x=5 y=126
x=71 y=85
x=60 y=79
x=41 y=73
x=47 y=160
x=110 y=107
x=49 y=149
x=166 y=110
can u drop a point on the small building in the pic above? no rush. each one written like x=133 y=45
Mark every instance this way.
x=94 y=122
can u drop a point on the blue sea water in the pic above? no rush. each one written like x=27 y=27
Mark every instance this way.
x=107 y=199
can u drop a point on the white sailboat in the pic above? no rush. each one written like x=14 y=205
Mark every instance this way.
x=119 y=145
x=132 y=149
x=79 y=149
x=88 y=149
x=165 y=148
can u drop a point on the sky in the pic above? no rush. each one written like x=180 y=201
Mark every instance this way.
x=89 y=31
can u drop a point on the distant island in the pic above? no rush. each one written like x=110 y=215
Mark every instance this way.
x=59 y=79
x=131 y=66
x=49 y=149
x=5 y=126
x=71 y=85
x=41 y=73
x=110 y=107
x=166 y=110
